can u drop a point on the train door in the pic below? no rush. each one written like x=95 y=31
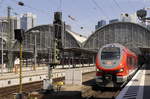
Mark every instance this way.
x=129 y=63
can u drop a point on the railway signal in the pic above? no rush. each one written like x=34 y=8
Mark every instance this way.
x=57 y=38
x=19 y=36
x=56 y=51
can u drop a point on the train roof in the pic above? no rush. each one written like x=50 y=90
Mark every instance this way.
x=132 y=49
x=114 y=45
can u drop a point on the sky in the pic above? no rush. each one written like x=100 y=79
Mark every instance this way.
x=85 y=12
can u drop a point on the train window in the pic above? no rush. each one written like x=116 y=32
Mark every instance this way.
x=133 y=61
x=129 y=61
x=111 y=49
x=110 y=53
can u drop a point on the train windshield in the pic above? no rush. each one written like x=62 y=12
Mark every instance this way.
x=110 y=53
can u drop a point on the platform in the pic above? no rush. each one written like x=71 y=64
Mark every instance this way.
x=138 y=87
x=70 y=91
x=10 y=79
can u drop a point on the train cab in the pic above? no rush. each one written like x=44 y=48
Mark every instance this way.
x=114 y=63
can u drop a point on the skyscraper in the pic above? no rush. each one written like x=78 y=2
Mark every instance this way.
x=14 y=24
x=100 y=24
x=113 y=21
x=28 y=20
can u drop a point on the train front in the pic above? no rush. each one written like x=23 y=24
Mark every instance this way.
x=109 y=63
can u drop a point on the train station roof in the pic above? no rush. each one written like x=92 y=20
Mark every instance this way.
x=126 y=33
x=80 y=38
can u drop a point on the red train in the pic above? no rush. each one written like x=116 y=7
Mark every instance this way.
x=115 y=64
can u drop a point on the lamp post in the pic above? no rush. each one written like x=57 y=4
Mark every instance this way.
x=48 y=49
x=94 y=39
x=2 y=50
x=35 y=50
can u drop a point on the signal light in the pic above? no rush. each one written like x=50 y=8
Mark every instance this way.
x=58 y=17
x=19 y=34
x=57 y=25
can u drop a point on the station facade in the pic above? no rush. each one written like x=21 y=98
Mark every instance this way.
x=78 y=49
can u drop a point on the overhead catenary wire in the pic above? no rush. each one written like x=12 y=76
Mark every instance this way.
x=100 y=8
x=112 y=8
x=14 y=12
x=5 y=5
x=39 y=10
x=60 y=5
x=131 y=5
x=144 y=3
x=75 y=21
x=30 y=7
x=72 y=18
x=1 y=2
x=117 y=4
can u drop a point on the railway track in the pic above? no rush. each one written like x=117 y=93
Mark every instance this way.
x=7 y=92
x=101 y=93
x=107 y=93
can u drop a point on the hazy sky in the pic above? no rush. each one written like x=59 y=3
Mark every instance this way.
x=85 y=12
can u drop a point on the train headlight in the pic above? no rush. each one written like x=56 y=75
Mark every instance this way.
x=121 y=70
x=99 y=70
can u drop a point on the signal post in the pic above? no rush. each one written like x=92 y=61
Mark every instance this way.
x=56 y=50
x=19 y=36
